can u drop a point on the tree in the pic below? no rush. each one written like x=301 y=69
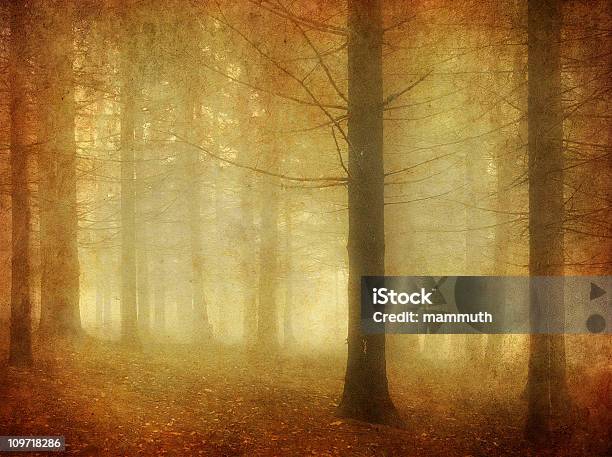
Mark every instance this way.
x=245 y=226
x=129 y=329
x=20 y=351
x=546 y=381
x=288 y=337
x=190 y=159
x=366 y=395
x=142 y=232
x=267 y=311
x=60 y=314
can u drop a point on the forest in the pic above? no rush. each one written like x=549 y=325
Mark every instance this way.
x=192 y=190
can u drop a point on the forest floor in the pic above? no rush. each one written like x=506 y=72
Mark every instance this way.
x=176 y=401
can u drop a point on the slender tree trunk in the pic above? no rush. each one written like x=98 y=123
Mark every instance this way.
x=248 y=269
x=546 y=383
x=366 y=395
x=100 y=145
x=193 y=196
x=142 y=254
x=503 y=165
x=288 y=336
x=144 y=305
x=129 y=330
x=160 y=297
x=246 y=226
x=99 y=289
x=475 y=166
x=20 y=350
x=494 y=344
x=221 y=289
x=267 y=312
x=57 y=169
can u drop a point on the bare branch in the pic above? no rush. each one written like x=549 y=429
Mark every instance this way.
x=339 y=152
x=397 y=95
x=318 y=54
x=271 y=92
x=338 y=179
x=398 y=24
x=312 y=24
x=288 y=73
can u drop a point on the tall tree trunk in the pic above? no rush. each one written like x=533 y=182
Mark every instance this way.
x=142 y=254
x=107 y=298
x=144 y=305
x=267 y=312
x=493 y=353
x=506 y=160
x=505 y=155
x=248 y=270
x=193 y=196
x=366 y=395
x=129 y=330
x=101 y=191
x=57 y=168
x=288 y=337
x=474 y=166
x=221 y=286
x=546 y=382
x=160 y=297
x=100 y=284
x=20 y=350
x=246 y=224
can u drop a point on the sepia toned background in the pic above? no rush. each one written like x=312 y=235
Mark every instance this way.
x=190 y=192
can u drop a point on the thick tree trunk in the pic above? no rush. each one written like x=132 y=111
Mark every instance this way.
x=57 y=171
x=366 y=395
x=129 y=330
x=20 y=350
x=546 y=383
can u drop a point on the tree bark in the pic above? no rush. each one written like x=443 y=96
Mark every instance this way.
x=20 y=349
x=366 y=395
x=546 y=380
x=60 y=314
